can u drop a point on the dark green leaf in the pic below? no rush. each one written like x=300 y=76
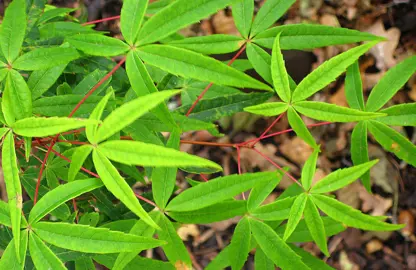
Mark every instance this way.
x=359 y=150
x=240 y=244
x=354 y=87
x=315 y=226
x=41 y=80
x=42 y=256
x=295 y=214
x=260 y=60
x=278 y=210
x=308 y=170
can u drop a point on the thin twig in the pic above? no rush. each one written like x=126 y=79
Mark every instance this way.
x=102 y=20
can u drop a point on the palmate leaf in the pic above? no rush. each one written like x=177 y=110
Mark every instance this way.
x=91 y=240
x=131 y=17
x=164 y=179
x=43 y=58
x=300 y=128
x=41 y=80
x=118 y=186
x=261 y=191
x=240 y=244
x=328 y=72
x=176 y=16
x=268 y=109
x=42 y=256
x=140 y=228
x=225 y=105
x=175 y=249
x=189 y=64
x=279 y=73
x=138 y=153
x=16 y=99
x=214 y=213
x=130 y=111
x=216 y=190
x=393 y=141
x=274 y=247
x=13 y=29
x=42 y=127
x=13 y=188
x=295 y=214
x=268 y=14
x=308 y=170
x=390 y=83
x=399 y=115
x=243 y=16
x=60 y=195
x=341 y=178
x=350 y=216
x=142 y=84
x=212 y=44
x=315 y=226
x=354 y=87
x=278 y=210
x=359 y=150
x=9 y=260
x=310 y=36
x=331 y=112
x=99 y=45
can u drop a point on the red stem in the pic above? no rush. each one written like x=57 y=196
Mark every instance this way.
x=268 y=129
x=277 y=166
x=102 y=20
x=210 y=85
x=145 y=200
x=204 y=177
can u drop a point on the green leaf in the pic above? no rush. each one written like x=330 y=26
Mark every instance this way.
x=300 y=128
x=175 y=249
x=308 y=170
x=9 y=260
x=331 y=112
x=42 y=127
x=399 y=115
x=302 y=233
x=240 y=244
x=350 y=216
x=140 y=228
x=41 y=80
x=132 y=14
x=274 y=247
x=243 y=16
x=91 y=240
x=354 y=87
x=260 y=60
x=60 y=195
x=310 y=36
x=118 y=186
x=341 y=178
x=225 y=105
x=359 y=150
x=295 y=214
x=44 y=58
x=261 y=191
x=390 y=83
x=53 y=13
x=5 y=214
x=261 y=261
x=176 y=16
x=164 y=179
x=393 y=141
x=17 y=100
x=137 y=263
x=90 y=81
x=43 y=258
x=315 y=226
x=212 y=44
x=91 y=130
x=142 y=84
x=189 y=64
x=214 y=213
x=138 y=153
x=279 y=73
x=99 y=45
x=328 y=72
x=13 y=188
x=268 y=109
x=130 y=111
x=78 y=158
x=13 y=29
x=84 y=264
x=216 y=190
x=268 y=14
x=311 y=261
x=278 y=210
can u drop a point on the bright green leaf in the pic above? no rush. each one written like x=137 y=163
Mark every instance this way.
x=268 y=109
x=261 y=261
x=261 y=191
x=5 y=214
x=240 y=244
x=243 y=16
x=299 y=127
x=260 y=60
x=9 y=260
x=91 y=129
x=359 y=150
x=279 y=73
x=212 y=44
x=308 y=170
x=399 y=115
x=42 y=256
x=132 y=14
x=316 y=226
x=41 y=80
x=278 y=210
x=99 y=45
x=45 y=58
x=295 y=214
x=78 y=158
x=354 y=87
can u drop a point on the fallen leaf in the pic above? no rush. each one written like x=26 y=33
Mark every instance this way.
x=374 y=202
x=187 y=230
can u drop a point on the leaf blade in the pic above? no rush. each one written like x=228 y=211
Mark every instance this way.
x=295 y=214
x=45 y=58
x=240 y=244
x=131 y=18
x=354 y=87
x=279 y=73
x=315 y=226
x=42 y=256
x=98 y=45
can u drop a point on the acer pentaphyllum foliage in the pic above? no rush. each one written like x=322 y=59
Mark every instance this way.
x=80 y=129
